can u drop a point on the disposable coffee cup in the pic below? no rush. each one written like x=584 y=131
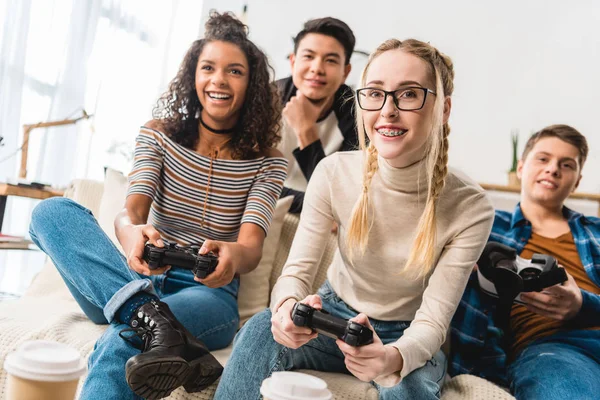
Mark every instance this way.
x=286 y=385
x=43 y=369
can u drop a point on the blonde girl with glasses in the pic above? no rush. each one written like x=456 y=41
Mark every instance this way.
x=410 y=232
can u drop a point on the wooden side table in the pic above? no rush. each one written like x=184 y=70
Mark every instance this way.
x=7 y=189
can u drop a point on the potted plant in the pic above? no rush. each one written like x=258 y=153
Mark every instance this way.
x=513 y=180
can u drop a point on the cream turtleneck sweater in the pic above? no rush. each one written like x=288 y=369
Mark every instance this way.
x=372 y=283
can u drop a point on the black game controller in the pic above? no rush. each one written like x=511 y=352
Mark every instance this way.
x=352 y=333
x=186 y=257
x=503 y=274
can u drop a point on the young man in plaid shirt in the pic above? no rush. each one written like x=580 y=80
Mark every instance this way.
x=550 y=348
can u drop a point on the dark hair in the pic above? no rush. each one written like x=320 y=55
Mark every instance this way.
x=178 y=109
x=565 y=133
x=329 y=26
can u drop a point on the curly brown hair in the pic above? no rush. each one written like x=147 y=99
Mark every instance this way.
x=258 y=127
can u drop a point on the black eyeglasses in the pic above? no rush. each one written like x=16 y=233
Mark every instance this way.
x=406 y=99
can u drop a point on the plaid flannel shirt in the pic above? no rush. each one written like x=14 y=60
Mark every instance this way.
x=476 y=343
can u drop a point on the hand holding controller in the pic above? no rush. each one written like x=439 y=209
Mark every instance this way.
x=350 y=332
x=186 y=257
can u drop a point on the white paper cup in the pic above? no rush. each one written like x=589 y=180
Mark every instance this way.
x=43 y=369
x=286 y=385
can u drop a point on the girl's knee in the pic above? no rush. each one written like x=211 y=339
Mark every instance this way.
x=259 y=323
x=220 y=336
x=51 y=212
x=256 y=332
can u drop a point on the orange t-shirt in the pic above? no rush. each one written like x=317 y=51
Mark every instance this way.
x=527 y=326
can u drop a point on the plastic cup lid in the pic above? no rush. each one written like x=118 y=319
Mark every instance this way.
x=288 y=385
x=47 y=361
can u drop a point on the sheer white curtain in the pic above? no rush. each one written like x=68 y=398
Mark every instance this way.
x=111 y=58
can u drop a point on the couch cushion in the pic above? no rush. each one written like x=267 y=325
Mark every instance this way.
x=87 y=193
x=471 y=387
x=112 y=202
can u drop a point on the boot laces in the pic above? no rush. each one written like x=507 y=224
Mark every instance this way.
x=142 y=332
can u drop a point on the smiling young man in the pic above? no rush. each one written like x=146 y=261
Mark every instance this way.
x=551 y=346
x=318 y=118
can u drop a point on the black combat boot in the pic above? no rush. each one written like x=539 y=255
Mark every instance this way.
x=170 y=357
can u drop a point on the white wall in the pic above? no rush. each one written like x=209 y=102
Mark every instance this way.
x=519 y=64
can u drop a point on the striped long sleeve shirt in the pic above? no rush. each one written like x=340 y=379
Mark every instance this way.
x=194 y=200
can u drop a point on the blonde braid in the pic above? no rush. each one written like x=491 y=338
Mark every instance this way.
x=358 y=230
x=421 y=258
x=441 y=166
x=372 y=165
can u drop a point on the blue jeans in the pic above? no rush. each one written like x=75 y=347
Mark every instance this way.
x=100 y=280
x=256 y=356
x=565 y=365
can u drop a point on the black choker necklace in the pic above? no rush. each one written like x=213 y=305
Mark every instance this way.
x=217 y=131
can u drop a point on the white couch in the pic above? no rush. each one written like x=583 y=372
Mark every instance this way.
x=48 y=311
